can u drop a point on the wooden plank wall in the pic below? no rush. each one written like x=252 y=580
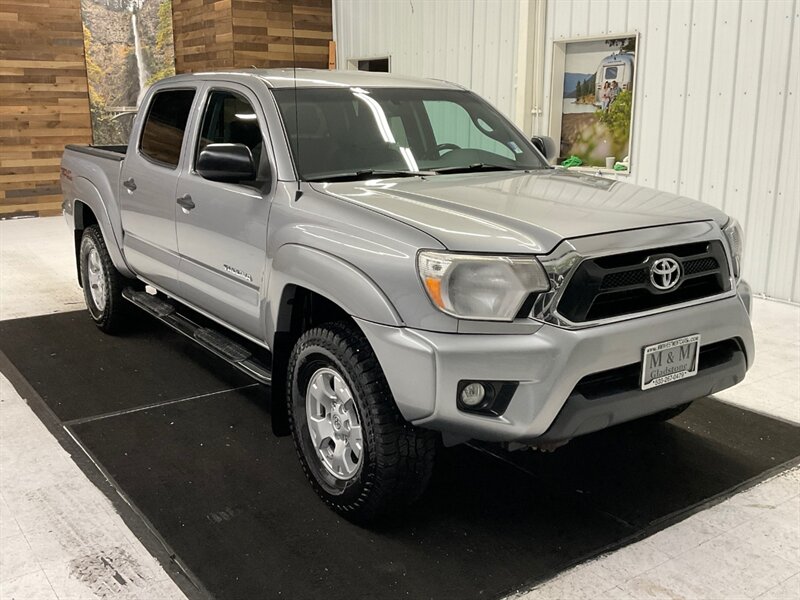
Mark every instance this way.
x=281 y=33
x=218 y=34
x=44 y=102
x=203 y=35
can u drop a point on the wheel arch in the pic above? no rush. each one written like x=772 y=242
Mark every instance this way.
x=306 y=288
x=89 y=209
x=297 y=268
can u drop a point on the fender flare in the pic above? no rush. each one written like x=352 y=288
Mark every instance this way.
x=329 y=276
x=88 y=195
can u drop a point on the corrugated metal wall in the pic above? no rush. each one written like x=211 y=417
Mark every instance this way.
x=469 y=42
x=716 y=114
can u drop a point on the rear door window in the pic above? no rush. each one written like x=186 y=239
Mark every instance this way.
x=165 y=126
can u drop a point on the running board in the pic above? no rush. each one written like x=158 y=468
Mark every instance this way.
x=233 y=353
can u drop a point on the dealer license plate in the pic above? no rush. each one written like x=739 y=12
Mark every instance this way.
x=670 y=361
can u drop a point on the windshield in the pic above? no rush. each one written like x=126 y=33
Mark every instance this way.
x=353 y=132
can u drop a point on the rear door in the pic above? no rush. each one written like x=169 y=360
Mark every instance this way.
x=222 y=239
x=147 y=191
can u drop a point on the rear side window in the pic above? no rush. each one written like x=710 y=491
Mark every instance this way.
x=162 y=135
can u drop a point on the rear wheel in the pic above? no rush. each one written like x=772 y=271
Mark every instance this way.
x=102 y=283
x=359 y=454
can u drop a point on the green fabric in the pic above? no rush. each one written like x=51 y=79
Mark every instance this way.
x=620 y=167
x=572 y=161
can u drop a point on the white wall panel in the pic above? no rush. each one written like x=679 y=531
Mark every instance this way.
x=470 y=42
x=785 y=222
x=716 y=115
x=698 y=95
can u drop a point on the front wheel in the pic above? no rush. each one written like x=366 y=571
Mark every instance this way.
x=359 y=454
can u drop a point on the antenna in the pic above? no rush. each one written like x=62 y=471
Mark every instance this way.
x=299 y=192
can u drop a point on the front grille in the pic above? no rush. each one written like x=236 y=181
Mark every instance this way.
x=612 y=286
x=627 y=378
x=701 y=265
x=624 y=279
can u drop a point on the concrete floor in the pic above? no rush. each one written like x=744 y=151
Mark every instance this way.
x=61 y=538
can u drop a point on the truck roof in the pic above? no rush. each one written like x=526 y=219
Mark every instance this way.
x=315 y=78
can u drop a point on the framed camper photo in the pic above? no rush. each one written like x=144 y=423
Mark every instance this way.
x=592 y=93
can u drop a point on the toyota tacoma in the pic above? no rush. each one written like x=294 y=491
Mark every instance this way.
x=405 y=269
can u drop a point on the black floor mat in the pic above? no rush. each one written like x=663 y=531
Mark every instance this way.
x=231 y=500
x=80 y=372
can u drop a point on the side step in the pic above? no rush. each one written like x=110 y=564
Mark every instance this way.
x=211 y=339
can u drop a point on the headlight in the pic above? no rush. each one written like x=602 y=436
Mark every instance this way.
x=490 y=288
x=735 y=236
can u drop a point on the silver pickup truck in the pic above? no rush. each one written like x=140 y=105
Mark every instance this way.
x=404 y=268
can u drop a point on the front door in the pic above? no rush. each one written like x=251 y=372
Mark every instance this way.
x=147 y=191
x=222 y=236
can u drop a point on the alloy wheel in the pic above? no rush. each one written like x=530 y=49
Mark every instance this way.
x=334 y=424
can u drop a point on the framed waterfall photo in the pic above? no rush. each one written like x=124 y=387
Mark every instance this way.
x=128 y=46
x=592 y=93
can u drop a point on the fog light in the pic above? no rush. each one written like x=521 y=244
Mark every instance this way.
x=488 y=398
x=473 y=394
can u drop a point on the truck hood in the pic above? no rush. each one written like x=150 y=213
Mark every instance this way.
x=516 y=212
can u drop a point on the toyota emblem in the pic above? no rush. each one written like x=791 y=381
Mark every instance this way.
x=665 y=273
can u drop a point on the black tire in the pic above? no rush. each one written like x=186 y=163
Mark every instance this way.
x=666 y=415
x=114 y=312
x=397 y=459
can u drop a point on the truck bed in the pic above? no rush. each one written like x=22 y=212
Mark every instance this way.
x=92 y=174
x=111 y=152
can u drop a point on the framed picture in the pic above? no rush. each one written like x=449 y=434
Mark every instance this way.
x=592 y=92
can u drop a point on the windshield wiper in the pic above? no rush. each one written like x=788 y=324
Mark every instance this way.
x=366 y=173
x=475 y=167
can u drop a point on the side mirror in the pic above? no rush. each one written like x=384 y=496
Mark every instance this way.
x=226 y=162
x=546 y=146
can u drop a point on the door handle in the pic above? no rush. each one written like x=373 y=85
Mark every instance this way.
x=186 y=202
x=130 y=184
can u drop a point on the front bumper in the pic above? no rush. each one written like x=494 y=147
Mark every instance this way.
x=424 y=369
